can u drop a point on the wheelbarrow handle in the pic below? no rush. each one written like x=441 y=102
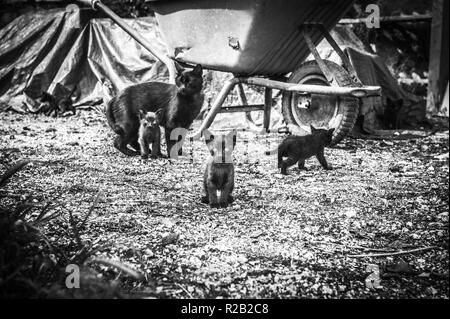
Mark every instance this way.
x=88 y=2
x=98 y=5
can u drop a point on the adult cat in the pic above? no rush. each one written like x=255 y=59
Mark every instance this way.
x=180 y=104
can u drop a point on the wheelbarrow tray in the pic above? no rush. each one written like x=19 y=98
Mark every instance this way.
x=245 y=37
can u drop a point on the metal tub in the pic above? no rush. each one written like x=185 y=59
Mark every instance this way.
x=245 y=37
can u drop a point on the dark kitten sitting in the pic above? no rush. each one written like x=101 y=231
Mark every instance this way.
x=51 y=106
x=390 y=117
x=149 y=133
x=218 y=179
x=299 y=148
x=398 y=115
x=179 y=104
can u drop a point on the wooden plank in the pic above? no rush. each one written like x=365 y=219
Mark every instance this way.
x=439 y=56
x=241 y=108
x=267 y=107
x=407 y=18
x=317 y=89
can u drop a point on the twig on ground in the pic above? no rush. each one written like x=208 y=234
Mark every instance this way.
x=75 y=230
x=91 y=209
x=403 y=252
x=143 y=225
x=184 y=289
x=12 y=170
x=131 y=272
x=382 y=250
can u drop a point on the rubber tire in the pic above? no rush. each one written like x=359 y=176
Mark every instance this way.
x=348 y=107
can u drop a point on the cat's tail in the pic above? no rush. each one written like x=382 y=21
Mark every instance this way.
x=110 y=117
x=271 y=152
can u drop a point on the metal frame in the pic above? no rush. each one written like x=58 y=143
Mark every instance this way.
x=358 y=90
x=363 y=91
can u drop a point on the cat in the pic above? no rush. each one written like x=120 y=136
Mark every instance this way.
x=51 y=106
x=299 y=148
x=398 y=115
x=149 y=133
x=390 y=116
x=180 y=105
x=218 y=178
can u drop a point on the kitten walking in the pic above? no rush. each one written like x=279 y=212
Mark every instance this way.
x=300 y=148
x=149 y=133
x=218 y=179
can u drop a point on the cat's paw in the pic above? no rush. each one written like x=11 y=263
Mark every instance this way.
x=230 y=199
x=205 y=200
x=223 y=204
x=144 y=157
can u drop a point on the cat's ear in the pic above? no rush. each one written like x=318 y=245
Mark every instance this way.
x=331 y=131
x=179 y=68
x=141 y=114
x=198 y=70
x=159 y=116
x=313 y=129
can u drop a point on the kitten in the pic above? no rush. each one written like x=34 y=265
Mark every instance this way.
x=299 y=148
x=391 y=111
x=149 y=133
x=180 y=105
x=51 y=106
x=398 y=115
x=218 y=179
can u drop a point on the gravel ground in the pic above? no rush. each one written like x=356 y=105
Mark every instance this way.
x=284 y=236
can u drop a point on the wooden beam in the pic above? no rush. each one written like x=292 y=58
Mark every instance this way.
x=267 y=107
x=407 y=18
x=241 y=108
x=439 y=55
x=363 y=91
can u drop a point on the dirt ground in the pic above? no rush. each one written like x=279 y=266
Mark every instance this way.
x=284 y=236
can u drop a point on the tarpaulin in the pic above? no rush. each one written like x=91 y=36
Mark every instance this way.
x=371 y=70
x=56 y=50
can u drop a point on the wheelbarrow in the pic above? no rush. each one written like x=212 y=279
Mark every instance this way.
x=262 y=43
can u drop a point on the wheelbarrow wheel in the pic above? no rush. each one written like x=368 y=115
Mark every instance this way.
x=335 y=112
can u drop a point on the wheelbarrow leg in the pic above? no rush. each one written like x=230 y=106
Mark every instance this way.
x=241 y=94
x=267 y=108
x=218 y=102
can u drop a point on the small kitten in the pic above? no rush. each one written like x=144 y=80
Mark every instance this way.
x=218 y=179
x=398 y=115
x=299 y=148
x=149 y=133
x=51 y=106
